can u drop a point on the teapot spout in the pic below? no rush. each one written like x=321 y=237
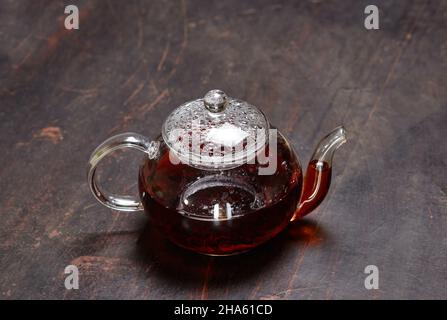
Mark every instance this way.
x=318 y=175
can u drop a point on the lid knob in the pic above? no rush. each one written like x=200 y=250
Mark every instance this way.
x=215 y=100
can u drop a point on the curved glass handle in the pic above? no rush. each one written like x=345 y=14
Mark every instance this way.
x=121 y=141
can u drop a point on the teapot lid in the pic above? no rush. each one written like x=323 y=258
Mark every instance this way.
x=216 y=131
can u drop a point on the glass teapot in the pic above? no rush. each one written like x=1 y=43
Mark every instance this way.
x=219 y=179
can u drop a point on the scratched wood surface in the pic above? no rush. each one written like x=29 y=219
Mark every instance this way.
x=310 y=65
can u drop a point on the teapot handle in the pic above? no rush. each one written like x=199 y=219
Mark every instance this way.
x=120 y=141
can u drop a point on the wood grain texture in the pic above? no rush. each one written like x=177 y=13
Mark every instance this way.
x=310 y=65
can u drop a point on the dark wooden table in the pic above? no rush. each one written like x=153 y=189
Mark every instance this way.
x=310 y=65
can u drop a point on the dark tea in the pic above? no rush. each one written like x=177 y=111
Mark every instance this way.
x=220 y=212
x=316 y=186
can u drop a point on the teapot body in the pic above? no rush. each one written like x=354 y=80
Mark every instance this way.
x=221 y=212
